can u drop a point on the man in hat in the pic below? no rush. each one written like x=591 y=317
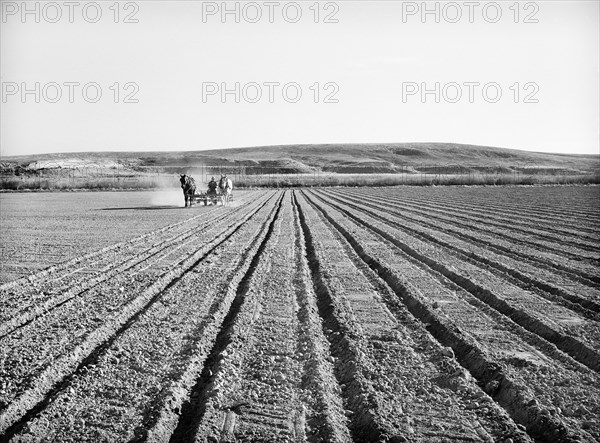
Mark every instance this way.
x=212 y=186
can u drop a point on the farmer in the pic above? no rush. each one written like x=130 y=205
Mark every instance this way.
x=212 y=186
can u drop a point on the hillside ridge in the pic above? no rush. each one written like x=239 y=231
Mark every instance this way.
x=308 y=158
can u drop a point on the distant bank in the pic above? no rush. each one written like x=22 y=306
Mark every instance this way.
x=301 y=165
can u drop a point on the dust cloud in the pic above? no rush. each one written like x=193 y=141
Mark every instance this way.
x=167 y=197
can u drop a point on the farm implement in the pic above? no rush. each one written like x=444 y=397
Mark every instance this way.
x=211 y=198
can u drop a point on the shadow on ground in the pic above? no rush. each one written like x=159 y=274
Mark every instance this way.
x=143 y=208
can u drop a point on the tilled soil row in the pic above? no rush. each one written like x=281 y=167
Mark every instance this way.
x=349 y=360
x=543 y=235
x=30 y=349
x=77 y=269
x=558 y=266
x=22 y=306
x=57 y=349
x=572 y=268
x=569 y=331
x=579 y=298
x=526 y=381
x=99 y=257
x=136 y=389
x=313 y=347
x=270 y=380
x=413 y=388
x=507 y=230
x=570 y=207
x=529 y=226
x=533 y=220
x=584 y=271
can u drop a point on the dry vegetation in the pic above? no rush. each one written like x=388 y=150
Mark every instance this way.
x=276 y=180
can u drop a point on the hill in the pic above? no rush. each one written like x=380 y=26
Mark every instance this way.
x=332 y=158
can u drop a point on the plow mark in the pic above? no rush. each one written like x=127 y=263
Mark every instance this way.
x=58 y=374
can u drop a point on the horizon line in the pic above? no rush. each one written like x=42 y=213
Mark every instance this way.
x=192 y=150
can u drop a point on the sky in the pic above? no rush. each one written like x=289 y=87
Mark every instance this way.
x=195 y=75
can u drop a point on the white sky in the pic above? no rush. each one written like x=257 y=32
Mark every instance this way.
x=369 y=54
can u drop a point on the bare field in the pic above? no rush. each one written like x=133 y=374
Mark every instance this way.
x=343 y=314
x=44 y=229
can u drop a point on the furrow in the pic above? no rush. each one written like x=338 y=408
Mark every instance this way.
x=77 y=269
x=412 y=386
x=584 y=272
x=16 y=315
x=569 y=331
x=526 y=375
x=95 y=258
x=258 y=389
x=31 y=390
x=559 y=201
x=515 y=215
x=581 y=299
x=183 y=426
x=31 y=348
x=542 y=240
x=568 y=204
x=100 y=259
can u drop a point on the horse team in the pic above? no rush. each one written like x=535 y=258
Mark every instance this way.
x=188 y=185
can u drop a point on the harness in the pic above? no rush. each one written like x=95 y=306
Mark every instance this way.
x=189 y=185
x=225 y=184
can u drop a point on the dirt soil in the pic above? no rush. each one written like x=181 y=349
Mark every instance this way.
x=398 y=314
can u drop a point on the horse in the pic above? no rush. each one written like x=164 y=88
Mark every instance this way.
x=189 y=188
x=226 y=187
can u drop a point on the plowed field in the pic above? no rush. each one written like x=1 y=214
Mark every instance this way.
x=400 y=314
